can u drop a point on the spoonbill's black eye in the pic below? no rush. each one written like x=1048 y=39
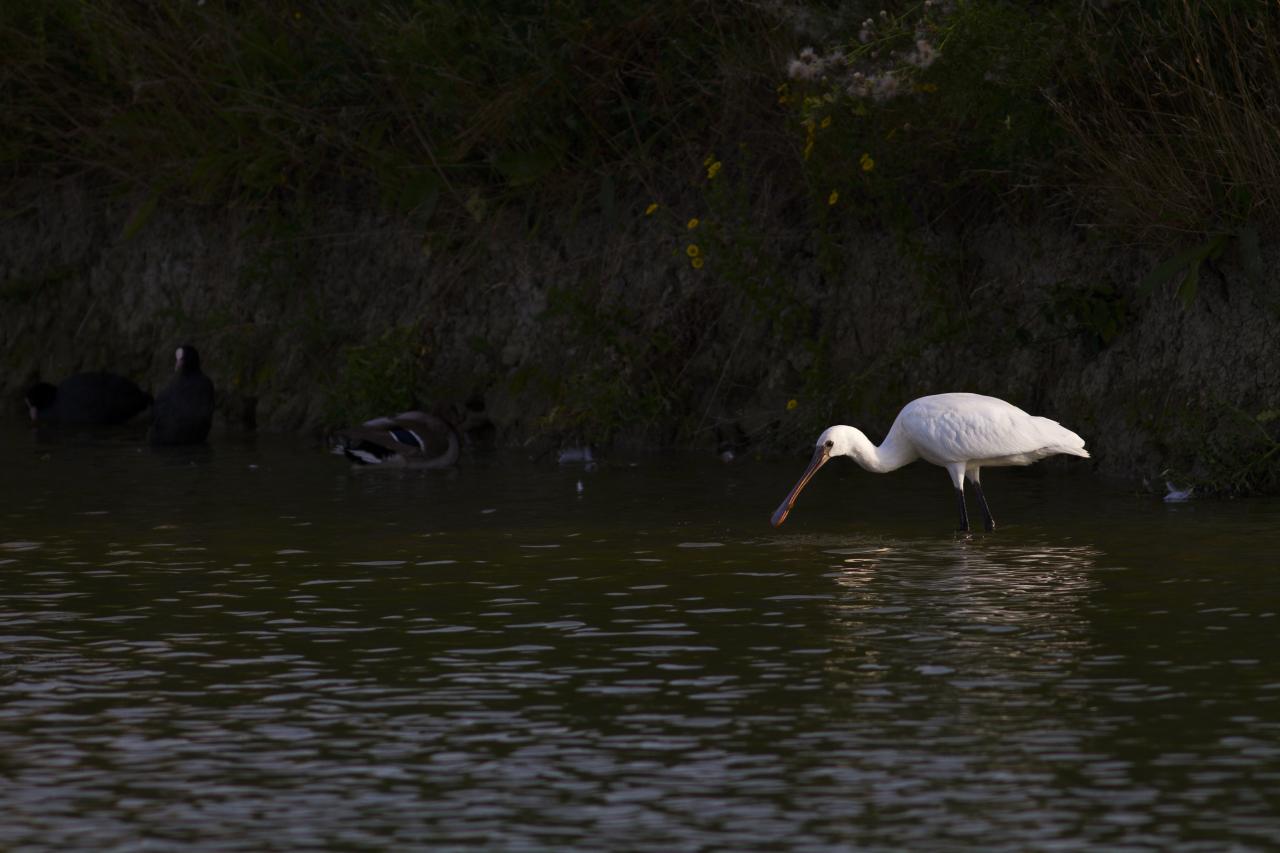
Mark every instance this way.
x=830 y=444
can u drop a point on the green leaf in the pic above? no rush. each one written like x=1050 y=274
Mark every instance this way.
x=475 y=205
x=140 y=215
x=1216 y=245
x=1171 y=267
x=419 y=191
x=1190 y=260
x=523 y=167
x=1251 y=253
x=1190 y=283
x=262 y=173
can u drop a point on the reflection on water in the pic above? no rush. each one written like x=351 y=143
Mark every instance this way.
x=253 y=647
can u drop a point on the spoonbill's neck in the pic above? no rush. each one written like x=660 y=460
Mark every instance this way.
x=894 y=452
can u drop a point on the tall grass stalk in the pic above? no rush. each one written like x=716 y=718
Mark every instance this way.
x=426 y=104
x=1176 y=117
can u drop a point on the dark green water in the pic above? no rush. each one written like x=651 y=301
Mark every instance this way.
x=249 y=647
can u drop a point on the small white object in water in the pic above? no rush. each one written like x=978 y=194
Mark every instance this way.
x=1176 y=495
x=579 y=487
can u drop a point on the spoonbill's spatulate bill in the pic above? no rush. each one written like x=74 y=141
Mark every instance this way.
x=961 y=432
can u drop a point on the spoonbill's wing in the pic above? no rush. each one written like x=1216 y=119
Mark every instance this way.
x=973 y=427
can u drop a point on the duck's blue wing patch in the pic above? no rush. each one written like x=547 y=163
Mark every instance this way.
x=407 y=436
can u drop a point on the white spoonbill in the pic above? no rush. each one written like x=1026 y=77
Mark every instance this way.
x=961 y=432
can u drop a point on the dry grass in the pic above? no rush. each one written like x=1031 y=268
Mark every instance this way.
x=1175 y=119
x=427 y=105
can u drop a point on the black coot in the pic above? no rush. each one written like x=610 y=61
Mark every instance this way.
x=86 y=399
x=183 y=411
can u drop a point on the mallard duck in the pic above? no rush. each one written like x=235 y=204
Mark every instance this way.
x=86 y=399
x=412 y=439
x=183 y=411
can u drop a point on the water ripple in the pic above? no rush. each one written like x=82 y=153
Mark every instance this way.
x=242 y=665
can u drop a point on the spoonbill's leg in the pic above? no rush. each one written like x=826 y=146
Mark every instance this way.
x=964 y=513
x=956 y=470
x=987 y=521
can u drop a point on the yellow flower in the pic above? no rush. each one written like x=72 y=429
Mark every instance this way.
x=697 y=263
x=867 y=163
x=693 y=223
x=928 y=87
x=648 y=211
x=713 y=170
x=791 y=405
x=692 y=250
x=809 y=130
x=826 y=122
x=834 y=197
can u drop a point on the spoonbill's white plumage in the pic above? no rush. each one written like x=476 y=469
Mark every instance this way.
x=963 y=433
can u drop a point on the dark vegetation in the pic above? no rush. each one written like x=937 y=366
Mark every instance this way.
x=715 y=126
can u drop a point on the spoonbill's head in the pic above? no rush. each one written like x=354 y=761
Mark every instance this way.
x=834 y=441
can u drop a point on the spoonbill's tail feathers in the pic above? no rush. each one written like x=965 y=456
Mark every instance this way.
x=1060 y=439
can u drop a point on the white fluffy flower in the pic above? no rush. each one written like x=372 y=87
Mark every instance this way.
x=925 y=54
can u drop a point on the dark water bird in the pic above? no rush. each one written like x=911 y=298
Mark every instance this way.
x=961 y=432
x=410 y=439
x=478 y=431
x=183 y=411
x=97 y=398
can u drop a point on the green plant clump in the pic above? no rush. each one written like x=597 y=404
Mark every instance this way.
x=426 y=104
x=382 y=377
x=752 y=142
x=1158 y=118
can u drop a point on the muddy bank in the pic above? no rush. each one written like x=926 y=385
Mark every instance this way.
x=582 y=327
